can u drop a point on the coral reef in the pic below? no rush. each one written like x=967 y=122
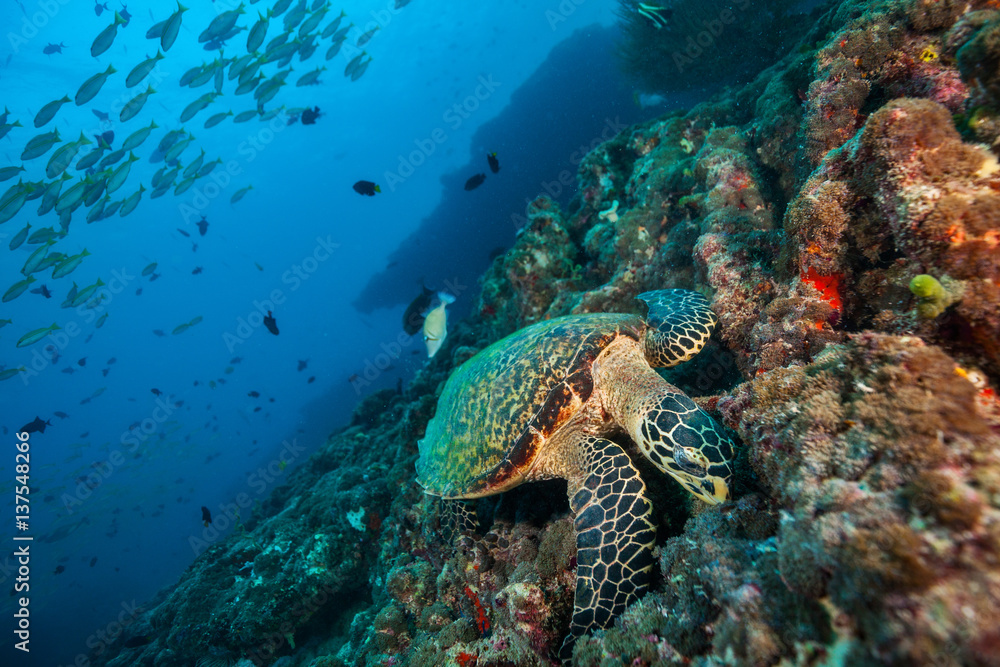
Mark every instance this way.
x=842 y=214
x=691 y=43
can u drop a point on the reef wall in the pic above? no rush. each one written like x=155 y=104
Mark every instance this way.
x=842 y=213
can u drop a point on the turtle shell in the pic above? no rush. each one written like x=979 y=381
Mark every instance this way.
x=499 y=408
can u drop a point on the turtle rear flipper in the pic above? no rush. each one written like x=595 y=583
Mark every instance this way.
x=679 y=322
x=614 y=537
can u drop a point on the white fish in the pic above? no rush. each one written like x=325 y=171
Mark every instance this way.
x=68 y=265
x=355 y=62
x=64 y=156
x=70 y=198
x=20 y=237
x=51 y=194
x=131 y=201
x=311 y=23
x=142 y=70
x=195 y=165
x=8 y=173
x=106 y=38
x=36 y=335
x=217 y=118
x=173 y=25
x=436 y=325
x=135 y=139
x=239 y=194
x=310 y=78
x=332 y=28
x=192 y=109
x=134 y=105
x=92 y=86
x=17 y=289
x=48 y=112
x=356 y=74
x=35 y=258
x=40 y=145
x=279 y=7
x=120 y=174
x=12 y=203
x=221 y=24
x=178 y=148
x=258 y=32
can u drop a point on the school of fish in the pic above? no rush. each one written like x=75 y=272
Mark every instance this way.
x=89 y=178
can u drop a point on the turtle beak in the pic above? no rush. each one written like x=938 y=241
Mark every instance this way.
x=715 y=490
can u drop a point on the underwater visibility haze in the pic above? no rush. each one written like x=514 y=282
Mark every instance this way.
x=410 y=332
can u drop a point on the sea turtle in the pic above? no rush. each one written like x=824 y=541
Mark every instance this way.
x=538 y=405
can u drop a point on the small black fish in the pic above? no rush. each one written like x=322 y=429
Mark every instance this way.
x=159 y=332
x=494 y=162
x=100 y=7
x=202 y=226
x=124 y=13
x=309 y=116
x=53 y=48
x=271 y=324
x=183 y=233
x=138 y=292
x=69 y=370
x=475 y=181
x=312 y=378
x=236 y=360
x=303 y=363
x=206 y=516
x=43 y=290
x=156 y=392
x=61 y=415
x=112 y=360
x=196 y=271
x=93 y=561
x=257 y=409
x=82 y=362
x=60 y=569
x=366 y=188
x=101 y=115
x=253 y=394
x=138 y=640
x=105 y=371
x=36 y=426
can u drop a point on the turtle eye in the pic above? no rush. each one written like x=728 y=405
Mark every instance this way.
x=691 y=460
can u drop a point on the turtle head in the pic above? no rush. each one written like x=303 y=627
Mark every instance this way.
x=705 y=472
x=681 y=439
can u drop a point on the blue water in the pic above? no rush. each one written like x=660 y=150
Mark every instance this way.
x=121 y=479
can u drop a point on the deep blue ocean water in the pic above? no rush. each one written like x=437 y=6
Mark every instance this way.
x=157 y=426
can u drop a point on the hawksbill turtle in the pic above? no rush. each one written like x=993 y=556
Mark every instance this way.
x=538 y=405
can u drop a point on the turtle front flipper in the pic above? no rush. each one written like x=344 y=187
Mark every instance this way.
x=614 y=537
x=679 y=323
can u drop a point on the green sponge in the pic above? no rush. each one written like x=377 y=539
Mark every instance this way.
x=933 y=297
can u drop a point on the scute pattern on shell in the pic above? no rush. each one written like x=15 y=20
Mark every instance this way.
x=528 y=384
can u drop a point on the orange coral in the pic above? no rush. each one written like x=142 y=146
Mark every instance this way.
x=827 y=286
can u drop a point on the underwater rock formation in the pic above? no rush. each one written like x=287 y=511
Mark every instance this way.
x=865 y=527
